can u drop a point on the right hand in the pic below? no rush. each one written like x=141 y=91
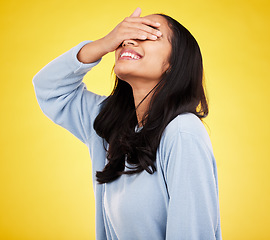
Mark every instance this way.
x=133 y=27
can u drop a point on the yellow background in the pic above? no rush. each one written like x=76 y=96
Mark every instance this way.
x=45 y=172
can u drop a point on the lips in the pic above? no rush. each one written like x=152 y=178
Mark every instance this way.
x=124 y=50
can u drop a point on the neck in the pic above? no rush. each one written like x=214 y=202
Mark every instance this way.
x=139 y=95
x=140 y=89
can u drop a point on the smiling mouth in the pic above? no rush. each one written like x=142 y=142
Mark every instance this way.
x=128 y=58
x=129 y=55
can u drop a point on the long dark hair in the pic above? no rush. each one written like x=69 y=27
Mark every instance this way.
x=180 y=90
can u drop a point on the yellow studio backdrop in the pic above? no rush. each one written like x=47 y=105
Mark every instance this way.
x=46 y=182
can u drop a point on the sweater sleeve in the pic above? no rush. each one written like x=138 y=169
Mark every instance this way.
x=193 y=209
x=64 y=98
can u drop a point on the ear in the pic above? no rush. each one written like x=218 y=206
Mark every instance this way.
x=166 y=67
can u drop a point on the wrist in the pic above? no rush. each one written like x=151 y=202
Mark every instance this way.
x=91 y=52
x=104 y=46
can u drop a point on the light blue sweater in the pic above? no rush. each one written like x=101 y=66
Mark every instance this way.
x=179 y=201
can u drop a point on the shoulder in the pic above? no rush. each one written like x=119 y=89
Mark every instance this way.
x=186 y=137
x=187 y=124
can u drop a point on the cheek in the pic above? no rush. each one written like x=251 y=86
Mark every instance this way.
x=156 y=61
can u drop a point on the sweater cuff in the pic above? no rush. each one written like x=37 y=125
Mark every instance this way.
x=81 y=68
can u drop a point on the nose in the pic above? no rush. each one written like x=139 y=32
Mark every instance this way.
x=129 y=42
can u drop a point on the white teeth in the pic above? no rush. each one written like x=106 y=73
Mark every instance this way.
x=130 y=55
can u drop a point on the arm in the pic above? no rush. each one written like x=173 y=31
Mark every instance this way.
x=193 y=210
x=59 y=89
x=63 y=96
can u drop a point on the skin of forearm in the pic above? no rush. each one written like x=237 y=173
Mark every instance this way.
x=92 y=51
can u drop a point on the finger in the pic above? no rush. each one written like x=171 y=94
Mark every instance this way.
x=138 y=34
x=136 y=13
x=147 y=29
x=143 y=20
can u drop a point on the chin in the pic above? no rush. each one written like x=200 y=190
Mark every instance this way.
x=122 y=73
x=122 y=77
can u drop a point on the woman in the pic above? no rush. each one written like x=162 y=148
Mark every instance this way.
x=154 y=172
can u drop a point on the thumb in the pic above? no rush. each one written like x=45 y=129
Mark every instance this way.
x=136 y=13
